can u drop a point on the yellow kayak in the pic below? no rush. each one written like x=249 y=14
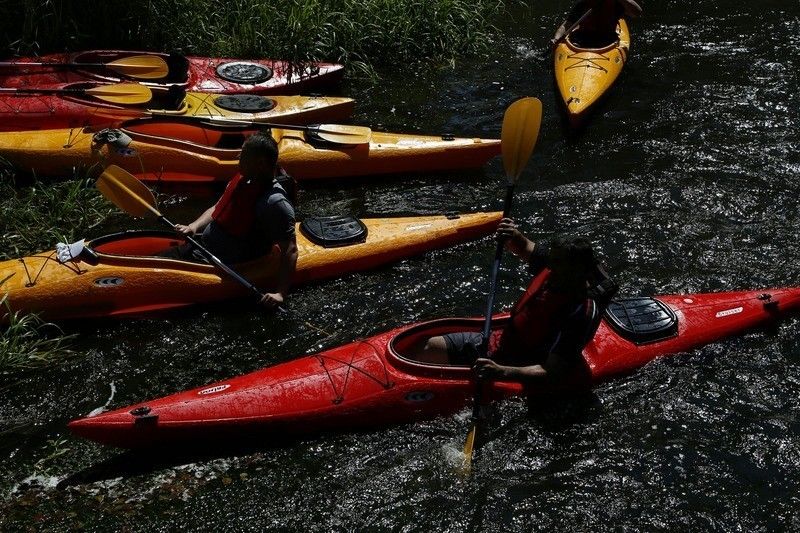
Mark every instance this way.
x=76 y=110
x=583 y=75
x=181 y=153
x=120 y=275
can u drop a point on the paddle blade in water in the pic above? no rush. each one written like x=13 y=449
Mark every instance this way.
x=122 y=93
x=469 y=447
x=342 y=133
x=142 y=67
x=126 y=192
x=521 y=124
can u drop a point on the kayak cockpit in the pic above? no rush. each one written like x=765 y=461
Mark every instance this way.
x=135 y=243
x=403 y=347
x=584 y=42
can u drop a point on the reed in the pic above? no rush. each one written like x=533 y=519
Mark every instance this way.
x=27 y=342
x=362 y=33
x=37 y=216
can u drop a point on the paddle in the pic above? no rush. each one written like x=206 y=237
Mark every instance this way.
x=118 y=93
x=521 y=124
x=133 y=197
x=577 y=23
x=335 y=133
x=141 y=67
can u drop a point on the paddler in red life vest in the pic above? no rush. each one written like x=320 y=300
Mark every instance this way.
x=253 y=214
x=550 y=324
x=599 y=28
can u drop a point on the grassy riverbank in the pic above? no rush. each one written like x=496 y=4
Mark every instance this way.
x=361 y=32
x=35 y=217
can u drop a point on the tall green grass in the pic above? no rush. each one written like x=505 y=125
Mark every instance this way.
x=366 y=32
x=27 y=342
x=35 y=217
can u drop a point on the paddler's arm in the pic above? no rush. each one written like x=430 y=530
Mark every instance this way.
x=285 y=273
x=552 y=369
x=279 y=220
x=198 y=225
x=517 y=243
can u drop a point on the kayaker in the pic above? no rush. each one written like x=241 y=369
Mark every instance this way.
x=599 y=28
x=551 y=322
x=253 y=214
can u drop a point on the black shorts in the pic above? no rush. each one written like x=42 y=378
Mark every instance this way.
x=184 y=252
x=463 y=347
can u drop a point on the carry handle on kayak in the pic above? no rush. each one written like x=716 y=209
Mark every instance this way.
x=520 y=132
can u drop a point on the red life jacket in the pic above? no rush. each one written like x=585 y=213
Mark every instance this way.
x=535 y=322
x=235 y=212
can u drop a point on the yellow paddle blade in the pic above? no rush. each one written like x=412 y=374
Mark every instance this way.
x=469 y=446
x=520 y=131
x=342 y=134
x=126 y=192
x=142 y=67
x=122 y=93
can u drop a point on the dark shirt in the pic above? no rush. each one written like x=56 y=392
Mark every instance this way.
x=274 y=224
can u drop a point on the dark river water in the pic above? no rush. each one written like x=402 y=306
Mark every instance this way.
x=687 y=179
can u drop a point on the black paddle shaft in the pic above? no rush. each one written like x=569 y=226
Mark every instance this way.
x=487 y=324
x=217 y=262
x=44 y=91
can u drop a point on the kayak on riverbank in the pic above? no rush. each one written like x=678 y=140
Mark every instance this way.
x=119 y=275
x=375 y=382
x=77 y=109
x=193 y=73
x=178 y=152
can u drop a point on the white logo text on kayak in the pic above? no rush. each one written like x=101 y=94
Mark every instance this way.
x=213 y=390
x=729 y=312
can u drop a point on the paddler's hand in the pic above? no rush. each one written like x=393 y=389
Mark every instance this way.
x=272 y=300
x=185 y=230
x=488 y=369
x=508 y=232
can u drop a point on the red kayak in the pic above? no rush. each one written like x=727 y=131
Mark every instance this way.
x=203 y=74
x=374 y=382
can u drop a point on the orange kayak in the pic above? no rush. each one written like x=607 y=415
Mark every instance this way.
x=584 y=75
x=178 y=152
x=120 y=276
